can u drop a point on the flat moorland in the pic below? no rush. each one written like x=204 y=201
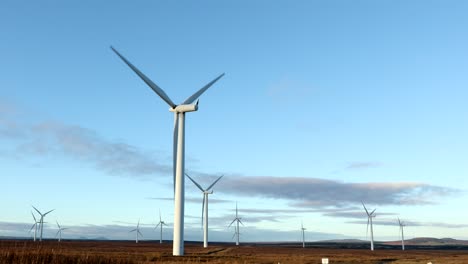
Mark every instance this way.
x=122 y=252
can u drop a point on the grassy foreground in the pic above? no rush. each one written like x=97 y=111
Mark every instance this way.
x=118 y=252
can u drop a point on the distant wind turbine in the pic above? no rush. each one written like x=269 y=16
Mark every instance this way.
x=369 y=221
x=160 y=224
x=401 y=224
x=237 y=220
x=204 y=219
x=41 y=220
x=189 y=105
x=35 y=226
x=59 y=232
x=137 y=231
x=303 y=235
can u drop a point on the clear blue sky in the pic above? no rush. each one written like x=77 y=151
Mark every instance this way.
x=324 y=104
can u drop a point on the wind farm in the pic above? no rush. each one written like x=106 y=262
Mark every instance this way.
x=325 y=131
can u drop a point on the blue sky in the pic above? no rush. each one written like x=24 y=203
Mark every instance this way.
x=324 y=104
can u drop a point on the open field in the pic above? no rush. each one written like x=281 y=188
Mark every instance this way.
x=107 y=252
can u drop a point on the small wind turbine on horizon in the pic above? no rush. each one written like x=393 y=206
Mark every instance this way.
x=189 y=105
x=35 y=226
x=41 y=220
x=402 y=224
x=369 y=221
x=303 y=234
x=160 y=224
x=59 y=232
x=204 y=218
x=237 y=220
x=137 y=231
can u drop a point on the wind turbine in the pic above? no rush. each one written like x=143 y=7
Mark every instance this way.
x=369 y=220
x=160 y=224
x=303 y=235
x=59 y=232
x=189 y=105
x=41 y=220
x=401 y=224
x=137 y=231
x=34 y=226
x=237 y=220
x=205 y=207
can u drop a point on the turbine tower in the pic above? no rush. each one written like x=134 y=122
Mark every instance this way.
x=160 y=224
x=303 y=235
x=189 y=105
x=137 y=231
x=401 y=224
x=59 y=232
x=237 y=220
x=205 y=207
x=34 y=226
x=369 y=221
x=41 y=220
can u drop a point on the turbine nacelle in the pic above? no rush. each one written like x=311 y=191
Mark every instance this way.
x=185 y=108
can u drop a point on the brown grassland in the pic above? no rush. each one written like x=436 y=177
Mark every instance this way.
x=118 y=252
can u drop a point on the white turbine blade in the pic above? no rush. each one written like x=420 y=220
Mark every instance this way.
x=203 y=209
x=32 y=227
x=133 y=230
x=367 y=228
x=192 y=98
x=57 y=233
x=48 y=212
x=211 y=186
x=157 y=225
x=194 y=182
x=367 y=212
x=58 y=224
x=240 y=221
x=232 y=222
x=139 y=233
x=150 y=83
x=33 y=216
x=37 y=210
x=372 y=212
x=174 y=148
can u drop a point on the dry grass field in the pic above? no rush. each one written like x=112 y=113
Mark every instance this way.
x=110 y=252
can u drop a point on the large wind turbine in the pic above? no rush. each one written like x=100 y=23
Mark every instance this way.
x=59 y=232
x=34 y=226
x=303 y=235
x=237 y=220
x=205 y=207
x=41 y=220
x=137 y=231
x=160 y=224
x=189 y=105
x=369 y=220
x=401 y=224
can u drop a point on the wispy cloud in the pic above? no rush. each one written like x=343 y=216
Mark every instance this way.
x=56 y=138
x=363 y=165
x=314 y=192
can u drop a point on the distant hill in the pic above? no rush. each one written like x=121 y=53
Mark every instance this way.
x=430 y=241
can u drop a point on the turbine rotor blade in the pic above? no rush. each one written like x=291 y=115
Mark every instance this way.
x=372 y=212
x=211 y=186
x=33 y=216
x=194 y=182
x=203 y=208
x=37 y=210
x=232 y=222
x=192 y=98
x=240 y=221
x=367 y=212
x=150 y=83
x=48 y=212
x=174 y=147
